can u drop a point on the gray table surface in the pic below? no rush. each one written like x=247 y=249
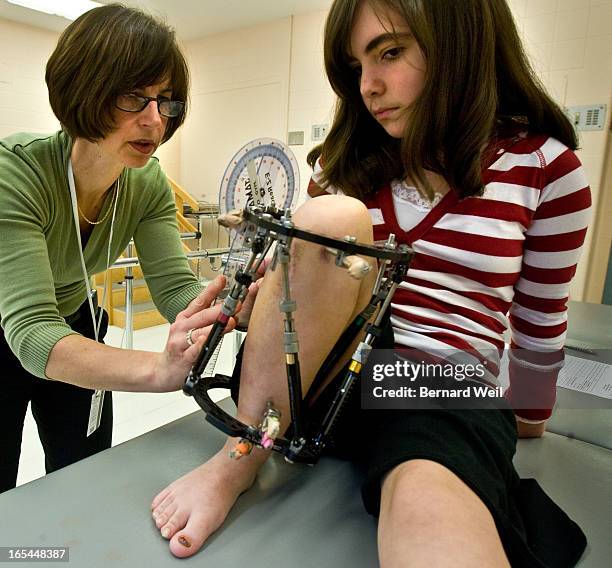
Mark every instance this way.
x=590 y=323
x=580 y=415
x=294 y=516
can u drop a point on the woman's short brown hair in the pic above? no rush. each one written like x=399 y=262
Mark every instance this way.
x=106 y=52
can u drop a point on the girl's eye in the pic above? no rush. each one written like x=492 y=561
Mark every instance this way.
x=356 y=69
x=392 y=53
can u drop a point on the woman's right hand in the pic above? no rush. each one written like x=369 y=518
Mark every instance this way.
x=244 y=314
x=174 y=363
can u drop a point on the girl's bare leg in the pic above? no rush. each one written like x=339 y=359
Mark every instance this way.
x=429 y=517
x=194 y=506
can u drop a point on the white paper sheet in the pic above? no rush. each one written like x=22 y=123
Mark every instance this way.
x=587 y=376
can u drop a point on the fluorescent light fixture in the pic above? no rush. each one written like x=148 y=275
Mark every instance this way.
x=69 y=9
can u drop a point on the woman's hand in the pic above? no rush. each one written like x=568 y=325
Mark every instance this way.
x=244 y=313
x=192 y=324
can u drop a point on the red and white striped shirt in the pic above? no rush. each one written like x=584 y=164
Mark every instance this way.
x=504 y=258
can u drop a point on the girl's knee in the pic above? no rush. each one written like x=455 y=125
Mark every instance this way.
x=336 y=215
x=423 y=483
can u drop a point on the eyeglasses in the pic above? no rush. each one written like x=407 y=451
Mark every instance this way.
x=136 y=103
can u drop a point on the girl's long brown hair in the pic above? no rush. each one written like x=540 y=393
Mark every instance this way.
x=478 y=84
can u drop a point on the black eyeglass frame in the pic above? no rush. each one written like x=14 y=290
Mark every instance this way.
x=159 y=100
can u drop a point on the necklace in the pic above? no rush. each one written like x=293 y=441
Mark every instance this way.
x=100 y=221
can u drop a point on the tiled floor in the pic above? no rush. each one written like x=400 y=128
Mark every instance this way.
x=134 y=413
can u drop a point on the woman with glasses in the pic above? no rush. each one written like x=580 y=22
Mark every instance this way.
x=70 y=204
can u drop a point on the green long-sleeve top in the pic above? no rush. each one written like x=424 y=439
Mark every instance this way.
x=41 y=278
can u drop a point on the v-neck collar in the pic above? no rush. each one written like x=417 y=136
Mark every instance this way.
x=497 y=146
x=385 y=200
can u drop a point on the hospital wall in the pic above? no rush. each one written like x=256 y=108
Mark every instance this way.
x=24 y=104
x=268 y=79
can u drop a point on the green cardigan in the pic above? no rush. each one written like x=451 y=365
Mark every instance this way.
x=41 y=278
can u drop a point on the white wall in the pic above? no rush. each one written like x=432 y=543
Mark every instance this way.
x=240 y=85
x=24 y=103
x=570 y=45
x=568 y=41
x=262 y=81
x=311 y=99
x=268 y=79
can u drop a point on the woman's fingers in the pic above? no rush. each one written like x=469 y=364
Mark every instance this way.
x=204 y=298
x=199 y=336
x=263 y=266
x=206 y=316
x=251 y=295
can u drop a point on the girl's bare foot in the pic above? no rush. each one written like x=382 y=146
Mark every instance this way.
x=190 y=509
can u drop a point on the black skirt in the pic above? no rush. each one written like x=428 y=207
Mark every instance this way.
x=477 y=445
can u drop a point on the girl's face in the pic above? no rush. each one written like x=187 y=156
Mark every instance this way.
x=390 y=66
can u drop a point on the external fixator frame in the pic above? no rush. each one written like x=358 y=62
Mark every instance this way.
x=261 y=228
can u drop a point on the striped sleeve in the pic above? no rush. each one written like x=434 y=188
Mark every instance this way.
x=315 y=185
x=538 y=315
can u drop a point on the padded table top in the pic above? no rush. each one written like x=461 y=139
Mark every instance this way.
x=580 y=415
x=294 y=516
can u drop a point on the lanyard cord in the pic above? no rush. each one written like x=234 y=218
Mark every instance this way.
x=75 y=214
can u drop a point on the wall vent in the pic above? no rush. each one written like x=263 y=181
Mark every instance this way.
x=587 y=117
x=319 y=132
x=296 y=138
